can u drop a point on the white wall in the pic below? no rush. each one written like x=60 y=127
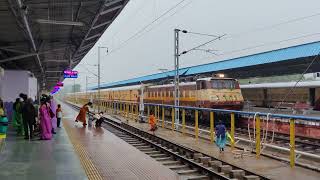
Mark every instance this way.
x=15 y=82
x=33 y=88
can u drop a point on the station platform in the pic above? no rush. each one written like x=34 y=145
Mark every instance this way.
x=22 y=159
x=268 y=167
x=105 y=156
x=77 y=153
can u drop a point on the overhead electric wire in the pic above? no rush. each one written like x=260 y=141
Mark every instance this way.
x=82 y=65
x=231 y=36
x=269 y=43
x=148 y=25
x=203 y=44
x=202 y=34
x=274 y=25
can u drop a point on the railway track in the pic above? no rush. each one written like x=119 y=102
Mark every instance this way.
x=187 y=163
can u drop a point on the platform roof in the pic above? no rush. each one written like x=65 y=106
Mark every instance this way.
x=289 y=60
x=47 y=37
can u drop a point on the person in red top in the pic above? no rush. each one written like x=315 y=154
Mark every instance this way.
x=152 y=122
x=83 y=113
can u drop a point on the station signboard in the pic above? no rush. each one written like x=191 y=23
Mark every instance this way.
x=60 y=84
x=57 y=87
x=70 y=74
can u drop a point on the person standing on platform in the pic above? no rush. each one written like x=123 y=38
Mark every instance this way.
x=221 y=138
x=83 y=113
x=53 y=107
x=2 y=112
x=24 y=114
x=17 y=117
x=152 y=122
x=59 y=115
x=45 y=120
x=29 y=117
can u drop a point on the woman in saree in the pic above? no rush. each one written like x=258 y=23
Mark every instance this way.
x=221 y=138
x=83 y=113
x=17 y=117
x=45 y=120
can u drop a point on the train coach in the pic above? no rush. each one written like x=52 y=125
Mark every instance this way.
x=217 y=93
x=273 y=94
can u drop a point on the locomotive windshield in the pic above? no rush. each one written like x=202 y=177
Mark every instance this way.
x=223 y=84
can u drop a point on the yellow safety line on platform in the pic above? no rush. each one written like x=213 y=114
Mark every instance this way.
x=88 y=166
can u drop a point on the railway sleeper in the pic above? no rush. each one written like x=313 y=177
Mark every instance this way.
x=137 y=144
x=187 y=172
x=202 y=177
x=158 y=155
x=161 y=159
x=169 y=163
x=237 y=174
x=153 y=152
x=205 y=161
x=197 y=156
x=215 y=164
x=177 y=167
x=146 y=150
x=225 y=169
x=143 y=147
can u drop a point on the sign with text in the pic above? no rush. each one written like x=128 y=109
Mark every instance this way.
x=60 y=84
x=70 y=74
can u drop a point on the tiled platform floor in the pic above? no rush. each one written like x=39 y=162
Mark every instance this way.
x=113 y=157
x=50 y=160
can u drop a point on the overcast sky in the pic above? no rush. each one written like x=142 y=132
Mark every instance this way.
x=246 y=23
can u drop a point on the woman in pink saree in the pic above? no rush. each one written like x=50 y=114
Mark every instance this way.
x=53 y=106
x=45 y=120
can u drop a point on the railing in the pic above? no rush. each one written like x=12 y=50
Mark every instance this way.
x=131 y=110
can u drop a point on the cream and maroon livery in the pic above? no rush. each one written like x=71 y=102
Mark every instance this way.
x=220 y=93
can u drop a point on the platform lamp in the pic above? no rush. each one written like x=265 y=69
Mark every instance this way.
x=99 y=78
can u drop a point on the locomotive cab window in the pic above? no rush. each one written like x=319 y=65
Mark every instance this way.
x=223 y=84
